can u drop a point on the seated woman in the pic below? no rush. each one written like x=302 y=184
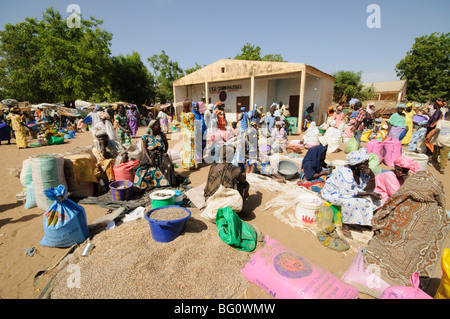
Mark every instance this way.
x=226 y=174
x=409 y=231
x=106 y=151
x=314 y=170
x=388 y=183
x=417 y=142
x=156 y=169
x=397 y=124
x=351 y=187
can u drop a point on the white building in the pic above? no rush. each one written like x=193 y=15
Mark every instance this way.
x=242 y=83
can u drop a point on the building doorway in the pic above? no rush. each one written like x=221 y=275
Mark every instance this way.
x=294 y=103
x=242 y=101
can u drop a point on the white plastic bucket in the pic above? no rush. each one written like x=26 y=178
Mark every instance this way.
x=307 y=207
x=421 y=159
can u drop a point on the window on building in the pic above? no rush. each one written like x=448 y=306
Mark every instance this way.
x=223 y=70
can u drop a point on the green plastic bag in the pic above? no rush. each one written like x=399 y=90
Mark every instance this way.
x=374 y=163
x=234 y=231
x=53 y=140
x=351 y=145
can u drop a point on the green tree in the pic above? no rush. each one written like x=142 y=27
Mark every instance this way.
x=165 y=71
x=253 y=53
x=348 y=85
x=60 y=63
x=193 y=69
x=130 y=79
x=426 y=67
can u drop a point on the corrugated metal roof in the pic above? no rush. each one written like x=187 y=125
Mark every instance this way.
x=390 y=86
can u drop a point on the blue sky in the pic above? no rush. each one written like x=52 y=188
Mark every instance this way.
x=329 y=35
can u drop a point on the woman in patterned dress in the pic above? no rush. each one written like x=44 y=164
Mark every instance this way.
x=187 y=119
x=18 y=126
x=156 y=170
x=352 y=188
x=123 y=130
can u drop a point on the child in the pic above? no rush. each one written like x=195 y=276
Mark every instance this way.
x=441 y=141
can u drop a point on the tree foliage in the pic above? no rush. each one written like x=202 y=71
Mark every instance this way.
x=426 y=67
x=253 y=53
x=55 y=61
x=130 y=79
x=348 y=85
x=165 y=71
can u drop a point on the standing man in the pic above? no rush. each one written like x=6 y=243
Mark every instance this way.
x=360 y=120
x=441 y=140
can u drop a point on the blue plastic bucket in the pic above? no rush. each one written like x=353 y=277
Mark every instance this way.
x=121 y=190
x=165 y=231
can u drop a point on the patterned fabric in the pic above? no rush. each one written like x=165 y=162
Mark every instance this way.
x=151 y=175
x=19 y=130
x=123 y=136
x=359 y=118
x=341 y=189
x=409 y=230
x=187 y=123
x=357 y=157
x=221 y=122
x=314 y=185
x=417 y=137
x=227 y=176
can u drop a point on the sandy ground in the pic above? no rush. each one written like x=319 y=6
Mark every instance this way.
x=22 y=228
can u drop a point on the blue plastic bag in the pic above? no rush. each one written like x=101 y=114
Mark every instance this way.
x=65 y=222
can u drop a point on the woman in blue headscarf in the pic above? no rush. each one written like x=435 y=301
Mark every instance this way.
x=200 y=125
x=313 y=174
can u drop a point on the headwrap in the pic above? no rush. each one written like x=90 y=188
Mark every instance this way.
x=15 y=109
x=407 y=162
x=357 y=157
x=440 y=103
x=409 y=105
x=103 y=115
x=98 y=108
x=199 y=117
x=339 y=108
x=150 y=126
x=210 y=107
x=242 y=108
x=101 y=132
x=401 y=105
x=353 y=101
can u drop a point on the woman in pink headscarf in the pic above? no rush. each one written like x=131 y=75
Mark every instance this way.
x=388 y=183
x=338 y=116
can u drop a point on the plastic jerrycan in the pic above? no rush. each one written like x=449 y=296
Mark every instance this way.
x=443 y=292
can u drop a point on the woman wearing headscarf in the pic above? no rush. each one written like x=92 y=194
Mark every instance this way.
x=18 y=126
x=226 y=174
x=279 y=138
x=436 y=116
x=105 y=125
x=314 y=170
x=418 y=138
x=133 y=119
x=351 y=187
x=338 y=116
x=397 y=123
x=387 y=183
x=123 y=130
x=156 y=169
x=200 y=130
x=210 y=119
x=409 y=114
x=187 y=123
x=221 y=118
x=163 y=120
x=105 y=151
